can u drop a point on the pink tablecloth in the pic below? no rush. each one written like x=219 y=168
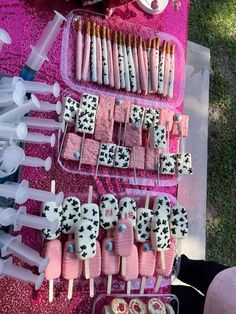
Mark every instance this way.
x=24 y=20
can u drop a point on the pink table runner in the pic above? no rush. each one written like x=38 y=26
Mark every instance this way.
x=25 y=20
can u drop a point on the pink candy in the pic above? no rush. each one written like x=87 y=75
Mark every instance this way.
x=124 y=237
x=131 y=264
x=133 y=136
x=147 y=260
x=139 y=158
x=166 y=115
x=122 y=112
x=169 y=260
x=95 y=263
x=110 y=260
x=72 y=145
x=53 y=250
x=177 y=125
x=90 y=152
x=71 y=265
x=151 y=159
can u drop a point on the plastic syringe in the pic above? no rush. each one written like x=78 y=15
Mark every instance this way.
x=39 y=52
x=5 y=38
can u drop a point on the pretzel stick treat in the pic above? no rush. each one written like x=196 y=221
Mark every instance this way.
x=79 y=50
x=132 y=74
x=121 y=60
x=136 y=64
x=126 y=65
x=116 y=62
x=99 y=56
x=86 y=56
x=110 y=60
x=94 y=54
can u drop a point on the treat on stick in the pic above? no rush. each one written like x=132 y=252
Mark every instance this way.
x=143 y=222
x=161 y=205
x=161 y=69
x=110 y=261
x=53 y=250
x=85 y=240
x=142 y=66
x=168 y=163
x=126 y=65
x=109 y=211
x=94 y=54
x=155 y=306
x=179 y=222
x=166 y=71
x=71 y=266
x=172 y=72
x=166 y=120
x=121 y=60
x=110 y=60
x=132 y=74
x=86 y=56
x=90 y=152
x=151 y=159
x=122 y=157
x=149 y=45
x=151 y=118
x=124 y=239
x=71 y=147
x=136 y=114
x=71 y=214
x=99 y=55
x=139 y=158
x=154 y=65
x=52 y=212
x=121 y=115
x=137 y=306
x=147 y=261
x=169 y=262
x=105 y=63
x=127 y=208
x=94 y=269
x=136 y=64
x=131 y=267
x=116 y=65
x=145 y=58
x=90 y=211
x=106 y=155
x=180 y=126
x=157 y=57
x=184 y=164
x=119 y=306
x=79 y=50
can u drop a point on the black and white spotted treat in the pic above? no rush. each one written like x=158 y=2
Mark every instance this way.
x=160 y=233
x=161 y=206
x=105 y=62
x=127 y=209
x=143 y=224
x=151 y=118
x=158 y=137
x=71 y=107
x=136 y=115
x=86 y=116
x=71 y=214
x=51 y=212
x=107 y=154
x=168 y=163
x=132 y=74
x=121 y=65
x=184 y=164
x=85 y=239
x=122 y=157
x=179 y=222
x=90 y=211
x=109 y=211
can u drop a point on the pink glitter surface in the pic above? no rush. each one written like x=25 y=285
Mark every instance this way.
x=25 y=20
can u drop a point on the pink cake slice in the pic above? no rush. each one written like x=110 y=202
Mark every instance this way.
x=71 y=265
x=131 y=264
x=139 y=158
x=166 y=115
x=121 y=110
x=169 y=260
x=71 y=146
x=133 y=135
x=177 y=125
x=151 y=158
x=53 y=250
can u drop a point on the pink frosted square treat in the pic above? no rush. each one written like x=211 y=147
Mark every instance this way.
x=104 y=129
x=151 y=159
x=90 y=152
x=180 y=121
x=139 y=158
x=122 y=109
x=166 y=115
x=71 y=148
x=106 y=107
x=133 y=135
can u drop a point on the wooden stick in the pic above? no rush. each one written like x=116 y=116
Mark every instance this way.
x=158 y=167
x=53 y=186
x=109 y=284
x=119 y=134
x=143 y=284
x=126 y=118
x=86 y=269
x=123 y=265
x=168 y=135
x=50 y=291
x=90 y=194
x=81 y=150
x=163 y=260
x=70 y=289
x=158 y=284
x=97 y=164
x=62 y=142
x=128 y=287
x=147 y=200
x=91 y=287
x=134 y=160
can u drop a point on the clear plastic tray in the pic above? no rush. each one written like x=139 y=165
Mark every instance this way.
x=143 y=177
x=68 y=58
x=104 y=299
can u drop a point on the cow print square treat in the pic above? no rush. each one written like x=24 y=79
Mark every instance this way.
x=161 y=206
x=122 y=157
x=151 y=118
x=158 y=137
x=143 y=226
x=184 y=164
x=160 y=233
x=71 y=214
x=89 y=101
x=71 y=107
x=168 y=163
x=107 y=154
x=136 y=115
x=85 y=239
x=179 y=222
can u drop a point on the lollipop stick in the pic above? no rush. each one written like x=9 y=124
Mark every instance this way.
x=128 y=287
x=163 y=262
x=147 y=200
x=81 y=150
x=158 y=284
x=119 y=134
x=134 y=161
x=90 y=194
x=143 y=284
x=109 y=233
x=50 y=296
x=126 y=118
x=178 y=245
x=86 y=268
x=109 y=284
x=62 y=142
x=168 y=136
x=123 y=265
x=181 y=138
x=91 y=287
x=53 y=186
x=70 y=289
x=158 y=167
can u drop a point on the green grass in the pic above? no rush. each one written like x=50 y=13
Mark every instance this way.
x=213 y=24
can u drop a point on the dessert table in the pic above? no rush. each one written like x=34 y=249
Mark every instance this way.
x=25 y=20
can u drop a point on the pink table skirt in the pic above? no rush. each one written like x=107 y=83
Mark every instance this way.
x=25 y=20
